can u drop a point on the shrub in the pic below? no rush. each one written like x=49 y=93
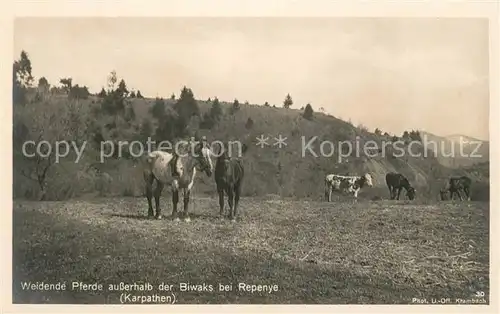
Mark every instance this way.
x=308 y=112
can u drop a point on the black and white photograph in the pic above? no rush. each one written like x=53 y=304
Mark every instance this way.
x=164 y=160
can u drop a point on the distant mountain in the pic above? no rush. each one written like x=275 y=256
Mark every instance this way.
x=457 y=138
x=457 y=150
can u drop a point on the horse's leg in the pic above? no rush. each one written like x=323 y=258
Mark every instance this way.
x=329 y=194
x=467 y=193
x=187 y=193
x=460 y=195
x=399 y=193
x=149 y=194
x=237 y=192
x=390 y=192
x=221 y=201
x=230 y=200
x=157 y=194
x=175 y=200
x=445 y=196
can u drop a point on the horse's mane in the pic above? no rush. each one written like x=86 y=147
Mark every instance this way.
x=406 y=183
x=178 y=150
x=173 y=165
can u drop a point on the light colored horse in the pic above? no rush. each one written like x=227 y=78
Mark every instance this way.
x=346 y=184
x=178 y=170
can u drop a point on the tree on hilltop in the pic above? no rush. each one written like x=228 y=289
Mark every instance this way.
x=43 y=83
x=102 y=93
x=112 y=79
x=288 y=102
x=213 y=116
x=235 y=107
x=67 y=84
x=21 y=78
x=216 y=110
x=187 y=106
x=158 y=109
x=122 y=90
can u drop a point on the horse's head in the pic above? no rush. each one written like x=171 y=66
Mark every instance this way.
x=411 y=192
x=220 y=151
x=203 y=157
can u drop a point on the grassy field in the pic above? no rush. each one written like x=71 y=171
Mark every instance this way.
x=315 y=252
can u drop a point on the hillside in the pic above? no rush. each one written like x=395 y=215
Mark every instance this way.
x=457 y=150
x=270 y=170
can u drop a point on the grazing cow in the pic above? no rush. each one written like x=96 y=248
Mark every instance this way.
x=346 y=184
x=229 y=174
x=396 y=182
x=177 y=170
x=455 y=185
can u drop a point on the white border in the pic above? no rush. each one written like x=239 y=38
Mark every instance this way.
x=313 y=8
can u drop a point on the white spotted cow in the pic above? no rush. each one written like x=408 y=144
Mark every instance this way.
x=346 y=184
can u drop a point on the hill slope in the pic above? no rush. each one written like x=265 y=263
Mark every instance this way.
x=291 y=171
x=457 y=150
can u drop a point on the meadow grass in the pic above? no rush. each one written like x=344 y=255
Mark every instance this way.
x=316 y=252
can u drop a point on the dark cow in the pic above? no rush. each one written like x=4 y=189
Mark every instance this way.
x=396 y=182
x=455 y=185
x=229 y=173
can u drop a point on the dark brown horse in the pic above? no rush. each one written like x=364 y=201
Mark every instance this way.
x=455 y=185
x=396 y=182
x=229 y=173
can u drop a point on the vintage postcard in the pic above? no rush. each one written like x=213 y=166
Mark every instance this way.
x=305 y=160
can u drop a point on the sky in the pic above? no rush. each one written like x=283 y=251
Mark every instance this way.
x=392 y=73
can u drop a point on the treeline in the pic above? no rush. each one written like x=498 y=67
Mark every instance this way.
x=23 y=84
x=171 y=123
x=407 y=136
